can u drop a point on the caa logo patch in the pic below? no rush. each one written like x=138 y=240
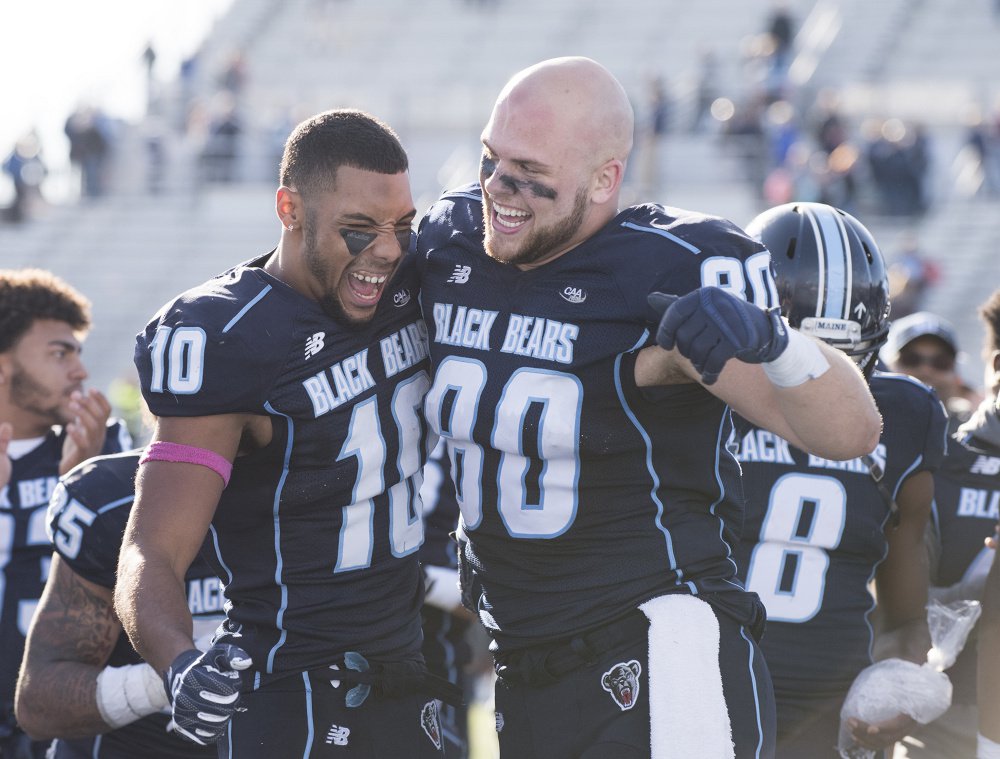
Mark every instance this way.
x=430 y=723
x=400 y=298
x=574 y=294
x=622 y=682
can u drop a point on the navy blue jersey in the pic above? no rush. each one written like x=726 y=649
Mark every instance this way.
x=86 y=520
x=316 y=535
x=582 y=496
x=25 y=550
x=966 y=511
x=814 y=536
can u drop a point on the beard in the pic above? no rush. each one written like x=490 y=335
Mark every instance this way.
x=29 y=394
x=320 y=269
x=541 y=243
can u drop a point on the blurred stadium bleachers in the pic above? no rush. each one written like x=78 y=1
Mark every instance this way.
x=432 y=70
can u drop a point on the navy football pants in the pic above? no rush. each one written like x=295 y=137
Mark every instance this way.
x=304 y=716
x=602 y=710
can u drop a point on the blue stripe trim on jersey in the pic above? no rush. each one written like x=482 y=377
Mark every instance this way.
x=218 y=553
x=871 y=576
x=279 y=562
x=247 y=307
x=310 y=727
x=662 y=233
x=115 y=504
x=229 y=737
x=653 y=476
x=906 y=473
x=97 y=747
x=719 y=448
x=756 y=698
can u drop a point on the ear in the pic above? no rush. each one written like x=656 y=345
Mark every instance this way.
x=607 y=181
x=288 y=205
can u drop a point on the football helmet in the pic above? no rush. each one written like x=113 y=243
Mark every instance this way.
x=830 y=275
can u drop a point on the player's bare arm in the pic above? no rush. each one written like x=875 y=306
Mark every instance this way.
x=72 y=636
x=174 y=505
x=833 y=415
x=901 y=587
x=989 y=656
x=901 y=580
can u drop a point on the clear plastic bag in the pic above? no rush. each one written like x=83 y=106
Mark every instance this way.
x=895 y=686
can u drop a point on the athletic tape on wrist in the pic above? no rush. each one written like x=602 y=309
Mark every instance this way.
x=162 y=450
x=987 y=749
x=125 y=694
x=801 y=361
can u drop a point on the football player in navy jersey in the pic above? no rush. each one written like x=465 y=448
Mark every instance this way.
x=53 y=424
x=288 y=392
x=582 y=382
x=81 y=681
x=816 y=531
x=966 y=510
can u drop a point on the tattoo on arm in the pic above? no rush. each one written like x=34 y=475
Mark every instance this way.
x=74 y=633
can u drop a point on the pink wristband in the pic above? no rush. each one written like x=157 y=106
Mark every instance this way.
x=188 y=454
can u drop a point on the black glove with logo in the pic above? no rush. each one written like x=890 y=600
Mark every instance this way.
x=204 y=690
x=709 y=326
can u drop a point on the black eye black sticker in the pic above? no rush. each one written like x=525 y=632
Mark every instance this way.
x=403 y=237
x=488 y=167
x=357 y=240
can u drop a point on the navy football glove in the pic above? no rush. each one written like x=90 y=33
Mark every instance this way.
x=709 y=326
x=204 y=690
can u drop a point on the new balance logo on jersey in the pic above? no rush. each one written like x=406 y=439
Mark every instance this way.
x=337 y=735
x=985 y=465
x=460 y=275
x=400 y=298
x=314 y=344
x=573 y=294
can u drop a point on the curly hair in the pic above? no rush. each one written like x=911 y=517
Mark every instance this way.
x=27 y=295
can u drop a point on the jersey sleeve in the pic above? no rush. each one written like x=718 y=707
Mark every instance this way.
x=455 y=218
x=937 y=432
x=214 y=350
x=674 y=251
x=915 y=419
x=87 y=515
